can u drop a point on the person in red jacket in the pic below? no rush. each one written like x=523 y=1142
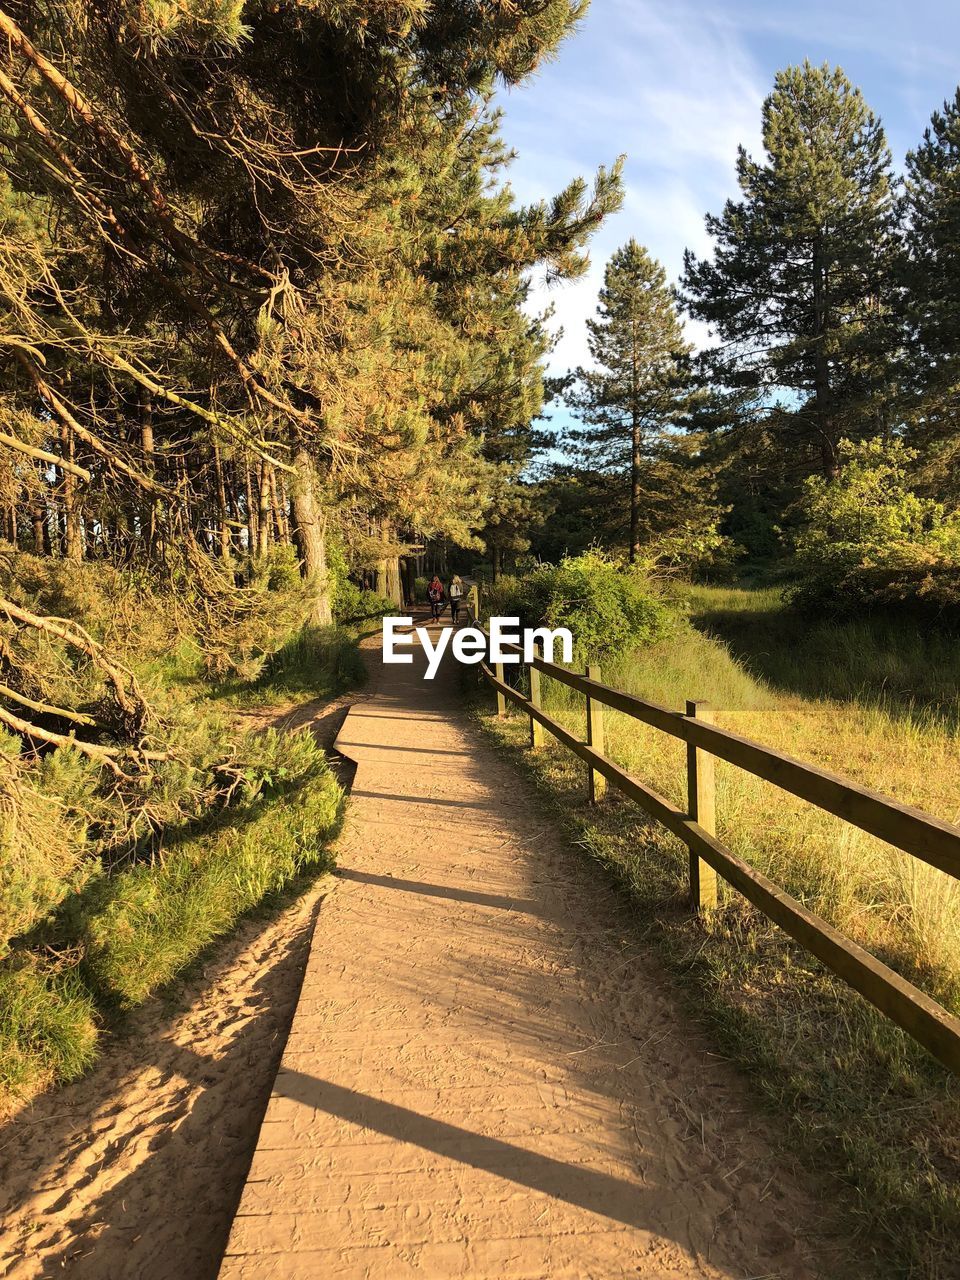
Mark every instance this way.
x=435 y=593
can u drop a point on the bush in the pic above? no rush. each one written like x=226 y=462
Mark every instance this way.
x=608 y=606
x=696 y=550
x=353 y=604
x=871 y=542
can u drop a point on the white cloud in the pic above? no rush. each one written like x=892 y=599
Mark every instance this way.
x=674 y=88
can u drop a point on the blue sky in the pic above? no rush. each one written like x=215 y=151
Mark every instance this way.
x=678 y=84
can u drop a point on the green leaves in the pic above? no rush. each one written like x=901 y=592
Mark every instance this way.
x=869 y=540
x=800 y=287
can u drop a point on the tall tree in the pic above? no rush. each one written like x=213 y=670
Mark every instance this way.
x=931 y=293
x=284 y=295
x=638 y=388
x=800 y=283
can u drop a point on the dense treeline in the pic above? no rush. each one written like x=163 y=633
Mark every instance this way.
x=263 y=283
x=830 y=384
x=263 y=343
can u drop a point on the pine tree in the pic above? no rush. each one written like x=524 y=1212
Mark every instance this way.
x=799 y=286
x=638 y=389
x=285 y=298
x=931 y=290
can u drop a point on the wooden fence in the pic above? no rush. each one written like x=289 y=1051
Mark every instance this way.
x=906 y=828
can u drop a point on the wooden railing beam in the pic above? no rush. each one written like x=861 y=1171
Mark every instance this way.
x=918 y=1014
x=934 y=841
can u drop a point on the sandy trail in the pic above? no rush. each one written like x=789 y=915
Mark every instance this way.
x=486 y=1076
x=136 y=1170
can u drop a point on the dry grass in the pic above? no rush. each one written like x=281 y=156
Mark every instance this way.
x=886 y=900
x=863 y=1101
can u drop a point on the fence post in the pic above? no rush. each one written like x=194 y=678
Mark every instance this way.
x=702 y=808
x=473 y=603
x=501 y=700
x=536 y=728
x=598 y=783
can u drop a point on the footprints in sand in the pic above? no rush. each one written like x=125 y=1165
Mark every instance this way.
x=138 y=1166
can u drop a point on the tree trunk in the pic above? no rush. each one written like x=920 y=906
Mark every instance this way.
x=253 y=529
x=408 y=577
x=388 y=570
x=311 y=536
x=72 y=533
x=279 y=499
x=150 y=510
x=822 y=407
x=265 y=517
x=223 y=512
x=497 y=563
x=39 y=518
x=636 y=440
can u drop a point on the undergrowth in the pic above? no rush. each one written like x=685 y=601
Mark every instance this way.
x=111 y=884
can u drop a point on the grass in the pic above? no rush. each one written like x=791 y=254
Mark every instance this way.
x=48 y=1026
x=317 y=662
x=864 y=1102
x=146 y=925
x=123 y=925
x=905 y=669
x=127 y=935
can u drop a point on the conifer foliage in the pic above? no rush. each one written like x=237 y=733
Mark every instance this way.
x=262 y=283
x=799 y=287
x=638 y=387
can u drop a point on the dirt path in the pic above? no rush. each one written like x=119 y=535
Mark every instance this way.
x=135 y=1172
x=485 y=1076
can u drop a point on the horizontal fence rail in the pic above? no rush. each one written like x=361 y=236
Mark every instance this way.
x=906 y=828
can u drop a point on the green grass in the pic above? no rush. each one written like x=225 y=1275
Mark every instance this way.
x=48 y=1025
x=863 y=1101
x=153 y=920
x=316 y=662
x=126 y=918
x=127 y=935
x=896 y=665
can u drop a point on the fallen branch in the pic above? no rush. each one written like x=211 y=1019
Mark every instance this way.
x=118 y=675
x=45 y=708
x=67 y=418
x=109 y=757
x=41 y=455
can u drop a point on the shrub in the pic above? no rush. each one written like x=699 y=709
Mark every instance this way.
x=608 y=606
x=870 y=541
x=353 y=604
x=697 y=549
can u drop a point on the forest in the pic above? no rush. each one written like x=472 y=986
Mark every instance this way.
x=270 y=354
x=264 y=342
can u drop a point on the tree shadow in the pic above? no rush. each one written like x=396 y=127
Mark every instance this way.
x=909 y=671
x=619 y=1199
x=170 y=1216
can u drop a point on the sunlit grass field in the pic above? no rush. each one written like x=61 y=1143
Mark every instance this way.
x=889 y=723
x=876 y=702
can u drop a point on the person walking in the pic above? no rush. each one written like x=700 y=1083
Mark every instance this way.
x=435 y=594
x=456 y=595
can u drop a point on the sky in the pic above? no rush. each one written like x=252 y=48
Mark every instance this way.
x=678 y=84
